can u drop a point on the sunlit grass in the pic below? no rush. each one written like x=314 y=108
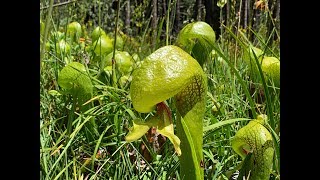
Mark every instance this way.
x=102 y=153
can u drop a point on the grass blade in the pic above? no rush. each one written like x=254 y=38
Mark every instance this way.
x=223 y=123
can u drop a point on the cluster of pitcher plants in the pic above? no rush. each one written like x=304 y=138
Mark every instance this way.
x=172 y=73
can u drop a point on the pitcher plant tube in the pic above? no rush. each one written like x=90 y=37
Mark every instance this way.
x=74 y=80
x=254 y=144
x=171 y=72
x=197 y=39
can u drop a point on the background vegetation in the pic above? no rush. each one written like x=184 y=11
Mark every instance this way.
x=71 y=148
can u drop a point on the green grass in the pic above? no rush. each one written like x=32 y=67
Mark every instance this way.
x=102 y=153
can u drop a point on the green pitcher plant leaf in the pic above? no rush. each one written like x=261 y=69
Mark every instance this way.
x=124 y=61
x=57 y=36
x=96 y=33
x=255 y=140
x=197 y=39
x=170 y=72
x=119 y=43
x=63 y=47
x=74 y=31
x=249 y=57
x=103 y=45
x=74 y=79
x=270 y=66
